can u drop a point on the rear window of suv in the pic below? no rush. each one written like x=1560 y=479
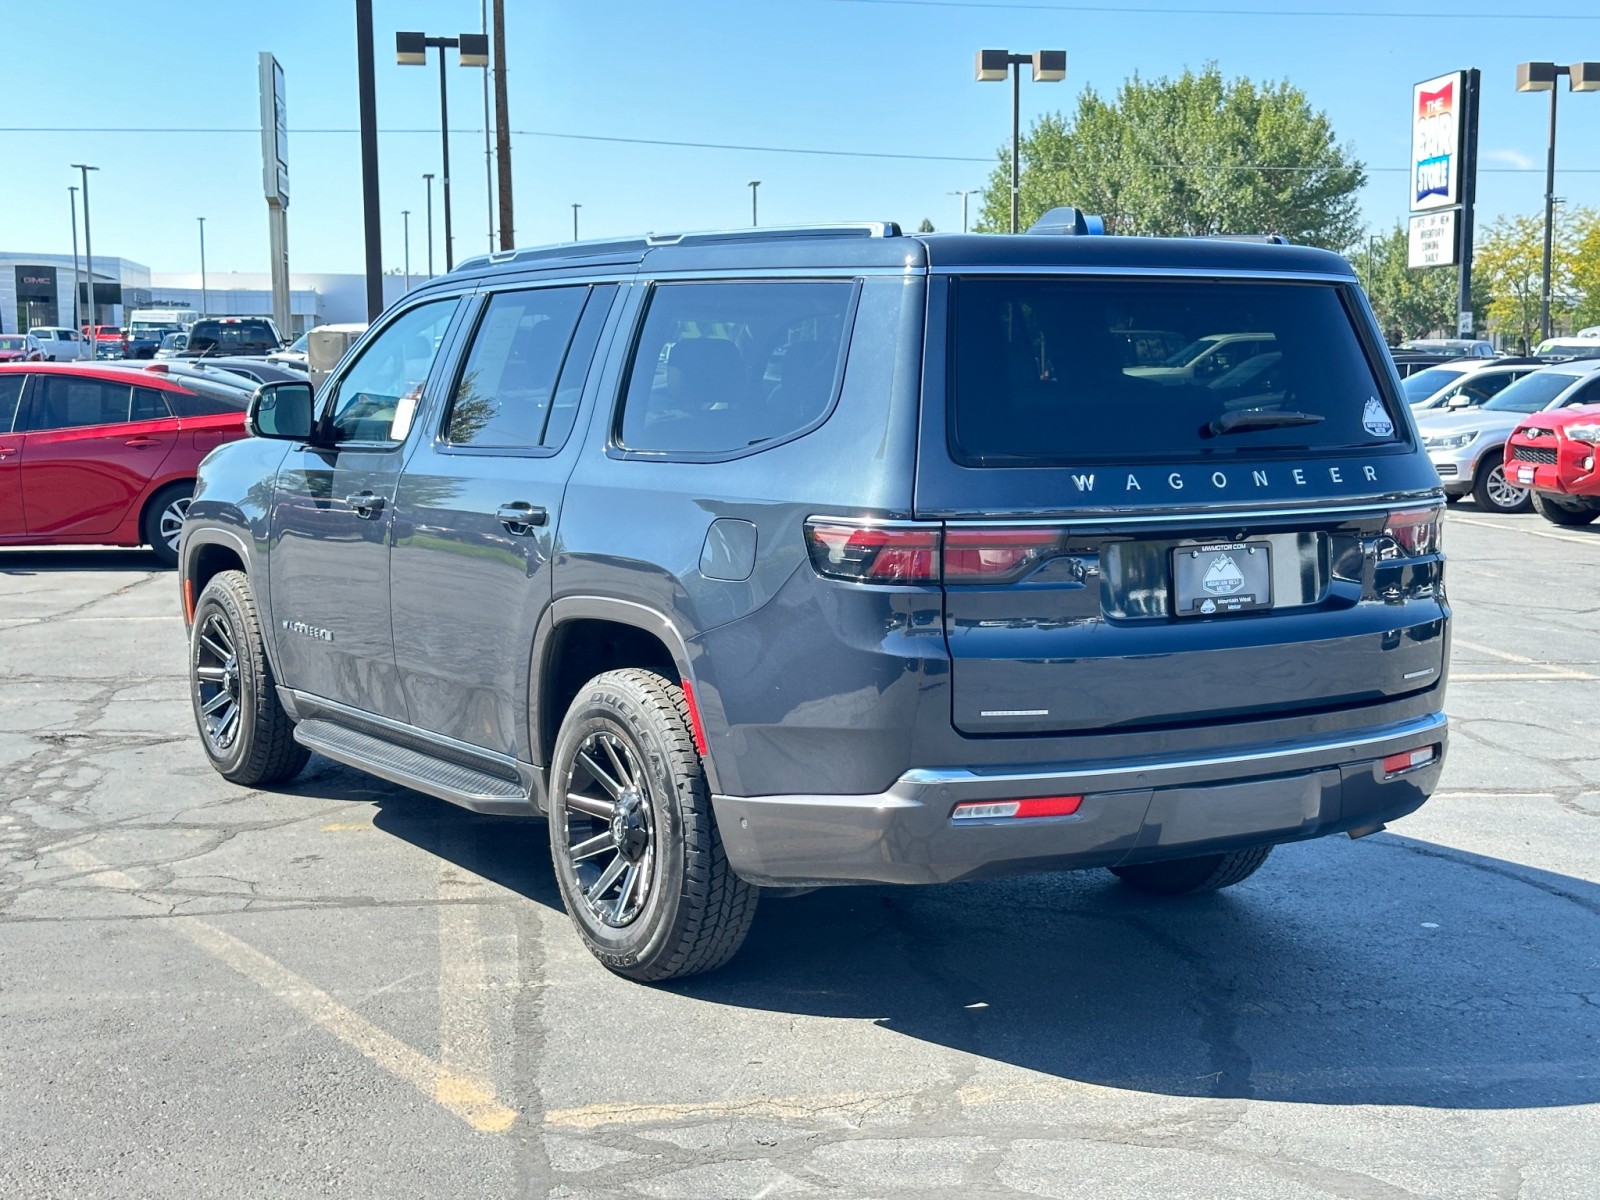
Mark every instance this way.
x=217 y=338
x=1040 y=372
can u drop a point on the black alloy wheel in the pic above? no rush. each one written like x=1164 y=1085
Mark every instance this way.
x=610 y=834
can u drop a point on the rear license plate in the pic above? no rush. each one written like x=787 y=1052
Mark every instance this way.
x=1228 y=577
x=1524 y=474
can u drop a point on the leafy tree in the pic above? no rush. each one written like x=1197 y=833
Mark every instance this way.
x=926 y=226
x=1586 y=269
x=1408 y=302
x=1509 y=262
x=1193 y=155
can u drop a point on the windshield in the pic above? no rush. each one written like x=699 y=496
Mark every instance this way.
x=1190 y=352
x=1039 y=372
x=12 y=343
x=1423 y=384
x=1531 y=393
x=300 y=344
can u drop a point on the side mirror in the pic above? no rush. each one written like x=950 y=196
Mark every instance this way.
x=1459 y=400
x=282 y=411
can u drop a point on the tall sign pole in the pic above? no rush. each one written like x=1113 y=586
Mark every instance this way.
x=1469 y=197
x=275 y=182
x=502 y=131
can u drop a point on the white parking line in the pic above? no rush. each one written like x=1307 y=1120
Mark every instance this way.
x=1544 y=533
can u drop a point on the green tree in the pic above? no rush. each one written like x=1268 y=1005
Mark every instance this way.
x=1509 y=265
x=1586 y=269
x=926 y=226
x=1408 y=302
x=1193 y=155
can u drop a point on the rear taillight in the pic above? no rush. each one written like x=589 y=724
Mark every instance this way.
x=1412 y=533
x=925 y=554
x=874 y=553
x=995 y=555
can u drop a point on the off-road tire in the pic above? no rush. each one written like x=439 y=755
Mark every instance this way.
x=697 y=911
x=150 y=522
x=263 y=751
x=1557 y=513
x=1484 y=481
x=1187 y=876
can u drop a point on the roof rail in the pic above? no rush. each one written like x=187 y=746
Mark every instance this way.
x=761 y=233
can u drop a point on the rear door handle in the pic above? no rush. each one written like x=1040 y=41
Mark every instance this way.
x=7 y=451
x=520 y=517
x=142 y=442
x=365 y=504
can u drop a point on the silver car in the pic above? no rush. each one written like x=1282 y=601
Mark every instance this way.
x=1468 y=448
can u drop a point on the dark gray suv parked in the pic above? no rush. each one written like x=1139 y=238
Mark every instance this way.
x=786 y=558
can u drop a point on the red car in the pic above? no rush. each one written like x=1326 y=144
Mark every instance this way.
x=106 y=455
x=20 y=347
x=1554 y=454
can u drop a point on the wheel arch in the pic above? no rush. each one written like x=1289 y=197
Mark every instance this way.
x=584 y=636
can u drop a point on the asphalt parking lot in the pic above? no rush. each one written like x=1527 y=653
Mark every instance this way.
x=350 y=989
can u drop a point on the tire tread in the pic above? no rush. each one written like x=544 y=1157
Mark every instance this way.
x=1184 y=877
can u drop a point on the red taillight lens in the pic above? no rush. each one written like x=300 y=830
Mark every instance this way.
x=1037 y=806
x=1414 y=531
x=994 y=555
x=1410 y=760
x=873 y=553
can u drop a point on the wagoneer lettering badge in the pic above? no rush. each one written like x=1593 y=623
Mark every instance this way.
x=1220 y=480
x=310 y=631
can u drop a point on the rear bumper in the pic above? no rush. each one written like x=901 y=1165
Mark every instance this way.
x=1131 y=812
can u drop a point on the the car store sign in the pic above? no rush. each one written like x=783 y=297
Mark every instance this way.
x=1436 y=106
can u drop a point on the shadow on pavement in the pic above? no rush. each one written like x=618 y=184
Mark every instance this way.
x=38 y=562
x=1387 y=971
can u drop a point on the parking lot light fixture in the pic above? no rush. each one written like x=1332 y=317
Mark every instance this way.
x=405 y=217
x=205 y=302
x=411 y=50
x=754 y=184
x=1541 y=77
x=77 y=323
x=88 y=262
x=1049 y=66
x=575 y=209
x=427 y=178
x=964 y=195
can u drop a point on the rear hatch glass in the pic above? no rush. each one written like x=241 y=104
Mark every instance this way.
x=1041 y=372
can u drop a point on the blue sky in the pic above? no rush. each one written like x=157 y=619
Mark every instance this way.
x=869 y=77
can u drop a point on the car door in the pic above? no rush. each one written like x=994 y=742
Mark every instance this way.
x=332 y=510
x=86 y=460
x=477 y=511
x=11 y=524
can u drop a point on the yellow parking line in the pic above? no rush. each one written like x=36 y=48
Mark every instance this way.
x=1544 y=533
x=465 y=1052
x=347 y=827
x=1521 y=660
x=465 y=1098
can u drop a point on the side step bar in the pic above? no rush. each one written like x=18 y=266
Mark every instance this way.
x=470 y=787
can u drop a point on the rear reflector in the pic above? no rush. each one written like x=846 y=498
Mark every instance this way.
x=1396 y=764
x=1039 y=806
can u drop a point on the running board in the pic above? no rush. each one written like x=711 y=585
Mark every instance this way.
x=458 y=783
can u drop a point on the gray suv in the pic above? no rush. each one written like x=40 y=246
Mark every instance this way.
x=786 y=558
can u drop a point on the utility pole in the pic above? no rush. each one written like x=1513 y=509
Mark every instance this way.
x=77 y=322
x=88 y=265
x=575 y=209
x=754 y=184
x=205 y=302
x=372 y=218
x=501 y=126
x=405 y=215
x=964 y=196
x=428 y=177
x=488 y=154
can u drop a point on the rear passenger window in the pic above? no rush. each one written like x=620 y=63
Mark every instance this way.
x=148 y=405
x=721 y=367
x=67 y=402
x=10 y=393
x=505 y=396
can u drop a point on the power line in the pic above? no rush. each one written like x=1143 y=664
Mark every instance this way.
x=1119 y=10
x=1263 y=168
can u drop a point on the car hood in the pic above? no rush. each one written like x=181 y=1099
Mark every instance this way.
x=1487 y=421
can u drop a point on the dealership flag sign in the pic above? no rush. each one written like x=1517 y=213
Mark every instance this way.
x=1436 y=109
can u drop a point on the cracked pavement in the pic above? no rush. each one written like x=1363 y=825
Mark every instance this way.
x=347 y=988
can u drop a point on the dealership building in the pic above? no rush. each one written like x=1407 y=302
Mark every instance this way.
x=36 y=289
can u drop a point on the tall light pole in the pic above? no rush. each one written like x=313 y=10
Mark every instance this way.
x=88 y=263
x=488 y=152
x=1049 y=66
x=575 y=209
x=1541 y=77
x=754 y=184
x=405 y=215
x=205 y=299
x=371 y=211
x=411 y=50
x=428 y=178
x=964 y=196
x=77 y=322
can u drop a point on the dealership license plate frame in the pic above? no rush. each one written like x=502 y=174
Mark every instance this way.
x=1205 y=585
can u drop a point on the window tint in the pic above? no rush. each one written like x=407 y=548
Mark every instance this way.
x=148 y=405
x=208 y=398
x=1531 y=393
x=10 y=393
x=376 y=399
x=723 y=366
x=1589 y=393
x=235 y=337
x=503 y=399
x=66 y=402
x=1039 y=371
x=576 y=369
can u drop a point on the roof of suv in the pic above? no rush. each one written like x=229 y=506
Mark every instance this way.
x=882 y=244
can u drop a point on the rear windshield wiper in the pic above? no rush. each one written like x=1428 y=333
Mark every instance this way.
x=1242 y=420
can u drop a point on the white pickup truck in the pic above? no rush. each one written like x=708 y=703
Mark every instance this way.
x=61 y=345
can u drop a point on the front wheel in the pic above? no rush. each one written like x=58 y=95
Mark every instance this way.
x=1186 y=876
x=635 y=845
x=1495 y=493
x=1557 y=513
x=246 y=732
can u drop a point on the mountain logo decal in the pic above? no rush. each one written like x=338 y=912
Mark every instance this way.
x=1223 y=576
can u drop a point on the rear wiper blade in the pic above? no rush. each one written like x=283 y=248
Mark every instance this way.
x=1242 y=420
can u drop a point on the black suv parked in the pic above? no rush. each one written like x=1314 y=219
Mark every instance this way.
x=786 y=558
x=210 y=337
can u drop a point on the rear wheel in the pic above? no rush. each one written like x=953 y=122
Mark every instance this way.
x=1452 y=499
x=1557 y=512
x=1186 y=876
x=163 y=521
x=635 y=845
x=1495 y=493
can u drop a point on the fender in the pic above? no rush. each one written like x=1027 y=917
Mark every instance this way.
x=213 y=535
